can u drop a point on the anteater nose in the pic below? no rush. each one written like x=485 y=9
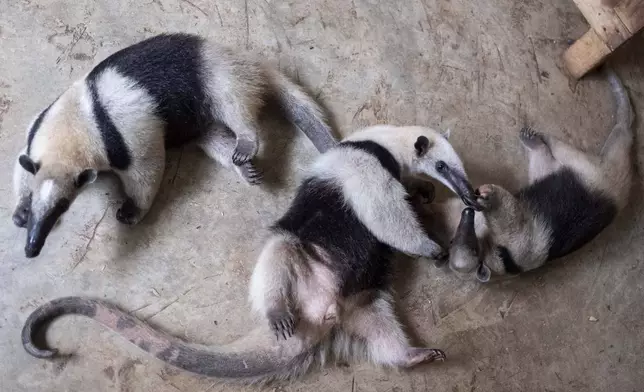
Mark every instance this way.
x=31 y=251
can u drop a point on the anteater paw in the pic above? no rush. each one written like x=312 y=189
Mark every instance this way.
x=245 y=150
x=531 y=138
x=417 y=355
x=251 y=174
x=282 y=323
x=22 y=211
x=129 y=213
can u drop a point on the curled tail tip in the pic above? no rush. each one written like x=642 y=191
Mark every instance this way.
x=37 y=352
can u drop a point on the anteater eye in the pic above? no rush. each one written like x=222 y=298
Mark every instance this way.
x=440 y=166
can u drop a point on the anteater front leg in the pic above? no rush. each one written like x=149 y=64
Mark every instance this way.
x=141 y=183
x=23 y=193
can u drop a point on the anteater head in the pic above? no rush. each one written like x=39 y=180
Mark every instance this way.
x=54 y=188
x=434 y=156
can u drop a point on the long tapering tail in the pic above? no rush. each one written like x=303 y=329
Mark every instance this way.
x=247 y=365
x=304 y=112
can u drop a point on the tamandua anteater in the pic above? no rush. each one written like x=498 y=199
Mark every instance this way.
x=571 y=198
x=158 y=93
x=322 y=279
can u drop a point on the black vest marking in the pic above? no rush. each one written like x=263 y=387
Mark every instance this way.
x=383 y=155
x=118 y=153
x=168 y=67
x=511 y=267
x=574 y=213
x=35 y=126
x=319 y=215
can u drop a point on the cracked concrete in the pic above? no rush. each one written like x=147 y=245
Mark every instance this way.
x=481 y=68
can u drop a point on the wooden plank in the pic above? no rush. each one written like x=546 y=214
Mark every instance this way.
x=605 y=21
x=587 y=53
x=610 y=3
x=631 y=12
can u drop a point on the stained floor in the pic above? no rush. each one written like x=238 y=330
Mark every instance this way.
x=481 y=68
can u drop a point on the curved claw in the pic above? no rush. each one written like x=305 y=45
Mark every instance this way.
x=251 y=174
x=282 y=325
x=436 y=355
x=240 y=158
x=245 y=150
x=531 y=138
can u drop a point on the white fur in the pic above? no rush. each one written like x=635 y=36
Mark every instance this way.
x=46 y=189
x=379 y=200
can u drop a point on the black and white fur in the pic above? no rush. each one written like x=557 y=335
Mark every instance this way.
x=158 y=93
x=571 y=198
x=322 y=280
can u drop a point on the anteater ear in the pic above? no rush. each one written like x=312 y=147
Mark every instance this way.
x=29 y=165
x=446 y=133
x=422 y=145
x=483 y=273
x=87 y=176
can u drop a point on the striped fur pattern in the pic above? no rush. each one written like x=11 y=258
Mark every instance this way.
x=572 y=196
x=322 y=280
x=162 y=92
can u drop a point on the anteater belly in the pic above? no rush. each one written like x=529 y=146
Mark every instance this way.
x=320 y=216
x=169 y=68
x=574 y=213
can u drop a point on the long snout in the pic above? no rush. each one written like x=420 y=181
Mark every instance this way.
x=39 y=229
x=460 y=184
x=37 y=233
x=466 y=232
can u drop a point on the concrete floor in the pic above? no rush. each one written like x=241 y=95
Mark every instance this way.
x=481 y=68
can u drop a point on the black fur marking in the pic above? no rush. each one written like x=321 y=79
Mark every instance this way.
x=39 y=320
x=125 y=322
x=117 y=151
x=511 y=267
x=37 y=231
x=168 y=67
x=383 y=155
x=85 y=177
x=421 y=145
x=35 y=126
x=28 y=164
x=319 y=215
x=574 y=213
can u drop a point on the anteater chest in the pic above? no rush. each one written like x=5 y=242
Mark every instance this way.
x=320 y=216
x=574 y=213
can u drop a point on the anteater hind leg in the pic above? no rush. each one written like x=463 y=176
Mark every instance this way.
x=541 y=162
x=242 y=120
x=141 y=182
x=585 y=165
x=387 y=343
x=271 y=285
x=219 y=144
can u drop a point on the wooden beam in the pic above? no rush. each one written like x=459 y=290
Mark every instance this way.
x=605 y=21
x=586 y=53
x=631 y=13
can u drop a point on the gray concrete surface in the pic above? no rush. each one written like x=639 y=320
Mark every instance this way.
x=481 y=68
